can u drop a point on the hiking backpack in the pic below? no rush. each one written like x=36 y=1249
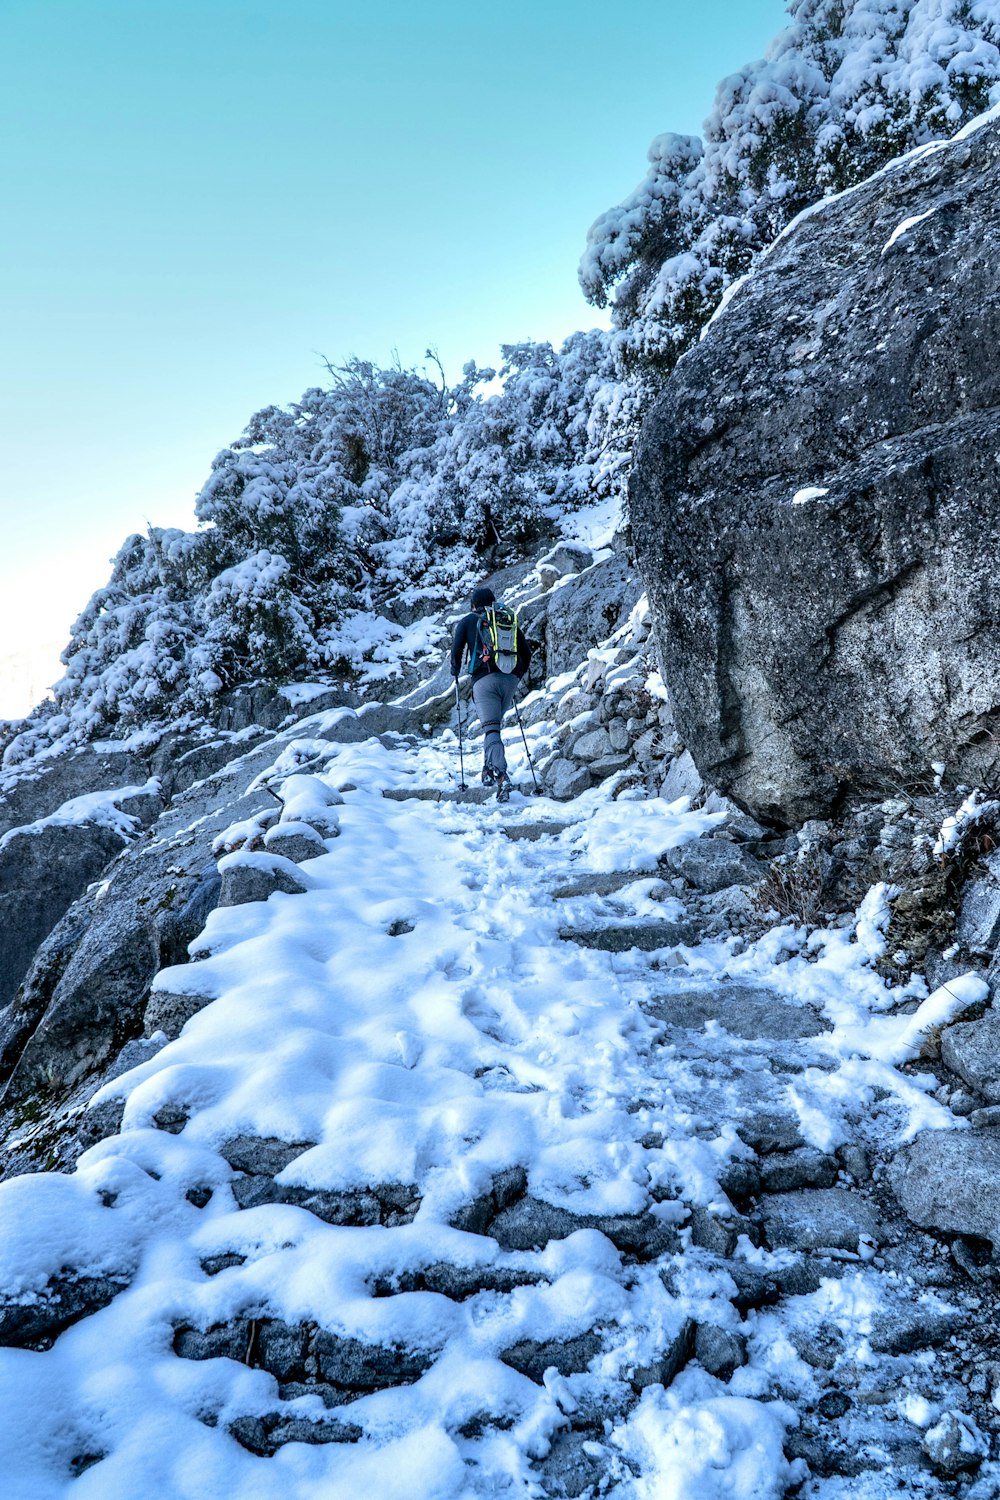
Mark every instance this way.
x=496 y=640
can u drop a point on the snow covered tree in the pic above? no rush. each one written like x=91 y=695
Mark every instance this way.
x=846 y=87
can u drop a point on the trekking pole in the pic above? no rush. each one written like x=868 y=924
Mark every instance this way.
x=517 y=715
x=461 y=755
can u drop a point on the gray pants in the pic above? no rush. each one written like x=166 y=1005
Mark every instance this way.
x=493 y=696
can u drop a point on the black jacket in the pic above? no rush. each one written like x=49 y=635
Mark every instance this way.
x=464 y=644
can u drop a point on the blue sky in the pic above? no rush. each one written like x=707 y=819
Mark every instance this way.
x=199 y=198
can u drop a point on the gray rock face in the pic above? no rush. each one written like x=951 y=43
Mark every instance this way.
x=593 y=745
x=41 y=874
x=585 y=611
x=29 y=793
x=564 y=779
x=950 y=1180
x=972 y=1050
x=170 y=1013
x=56 y=1034
x=978 y=928
x=815 y=499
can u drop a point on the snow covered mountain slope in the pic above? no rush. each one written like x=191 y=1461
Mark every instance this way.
x=463 y=1175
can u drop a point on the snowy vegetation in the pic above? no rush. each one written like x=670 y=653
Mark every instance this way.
x=849 y=85
x=390 y=490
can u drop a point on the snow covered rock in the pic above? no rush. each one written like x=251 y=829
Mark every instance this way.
x=955 y=1444
x=255 y=876
x=812 y=498
x=295 y=841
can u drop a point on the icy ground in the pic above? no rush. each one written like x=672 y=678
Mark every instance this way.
x=426 y=1038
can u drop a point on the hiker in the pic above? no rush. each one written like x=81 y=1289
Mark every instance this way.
x=483 y=635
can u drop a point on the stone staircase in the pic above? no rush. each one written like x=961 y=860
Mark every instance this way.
x=787 y=1221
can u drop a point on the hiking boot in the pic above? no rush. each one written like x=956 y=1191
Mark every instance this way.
x=503 y=786
x=489 y=776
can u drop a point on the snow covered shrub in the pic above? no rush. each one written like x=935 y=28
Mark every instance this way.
x=256 y=627
x=388 y=489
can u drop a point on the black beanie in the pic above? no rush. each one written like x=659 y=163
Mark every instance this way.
x=482 y=596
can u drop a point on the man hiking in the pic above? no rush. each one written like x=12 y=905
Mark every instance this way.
x=498 y=658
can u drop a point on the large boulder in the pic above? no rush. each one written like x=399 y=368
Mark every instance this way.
x=815 y=498
x=950 y=1180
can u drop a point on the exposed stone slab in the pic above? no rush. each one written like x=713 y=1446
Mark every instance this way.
x=769 y=1130
x=820 y=1219
x=602 y=884
x=805 y=1168
x=304 y=1353
x=474 y=794
x=457 y=1282
x=647 y=936
x=532 y=832
x=743 y=1010
x=33 y=1323
x=266 y=1435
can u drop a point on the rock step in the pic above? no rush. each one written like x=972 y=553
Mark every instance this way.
x=742 y=1010
x=305 y=1354
x=648 y=936
x=475 y=794
x=534 y=831
x=35 y=1322
x=602 y=884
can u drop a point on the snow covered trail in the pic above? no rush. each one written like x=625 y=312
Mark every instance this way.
x=438 y=1196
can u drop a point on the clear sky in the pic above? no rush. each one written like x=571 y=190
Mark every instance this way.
x=200 y=197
